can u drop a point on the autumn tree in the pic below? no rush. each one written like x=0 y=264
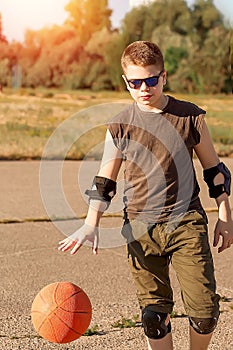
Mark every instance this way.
x=88 y=17
x=48 y=55
x=3 y=39
x=4 y=60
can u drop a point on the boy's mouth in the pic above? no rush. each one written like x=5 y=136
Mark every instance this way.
x=145 y=97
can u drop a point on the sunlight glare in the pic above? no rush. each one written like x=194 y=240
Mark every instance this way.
x=19 y=16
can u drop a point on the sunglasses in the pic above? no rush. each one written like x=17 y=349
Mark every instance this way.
x=151 y=81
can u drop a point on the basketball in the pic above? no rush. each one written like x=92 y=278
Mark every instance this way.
x=61 y=312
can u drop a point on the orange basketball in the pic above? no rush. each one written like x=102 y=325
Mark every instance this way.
x=61 y=312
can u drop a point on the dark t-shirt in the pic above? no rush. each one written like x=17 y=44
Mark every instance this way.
x=157 y=148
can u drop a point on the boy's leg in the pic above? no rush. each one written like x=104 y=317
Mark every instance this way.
x=161 y=344
x=193 y=263
x=157 y=328
x=199 y=341
x=150 y=270
x=201 y=331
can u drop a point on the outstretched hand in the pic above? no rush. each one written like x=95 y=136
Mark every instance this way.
x=225 y=230
x=76 y=240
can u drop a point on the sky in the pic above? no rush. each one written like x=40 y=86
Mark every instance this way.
x=20 y=15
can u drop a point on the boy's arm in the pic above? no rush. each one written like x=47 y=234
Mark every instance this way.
x=224 y=228
x=110 y=166
x=109 y=169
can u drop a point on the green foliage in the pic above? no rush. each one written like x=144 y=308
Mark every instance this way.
x=173 y=57
x=113 y=57
x=175 y=314
x=135 y=24
x=127 y=322
x=91 y=331
x=205 y=16
x=225 y=299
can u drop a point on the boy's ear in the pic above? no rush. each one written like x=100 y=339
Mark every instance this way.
x=164 y=78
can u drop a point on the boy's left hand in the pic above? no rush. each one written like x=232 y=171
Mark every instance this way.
x=224 y=229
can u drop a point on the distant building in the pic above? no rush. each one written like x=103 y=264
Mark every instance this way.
x=135 y=3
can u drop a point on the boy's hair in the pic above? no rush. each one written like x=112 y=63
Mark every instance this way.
x=142 y=53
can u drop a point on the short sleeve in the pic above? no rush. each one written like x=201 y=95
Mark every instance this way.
x=116 y=131
x=195 y=129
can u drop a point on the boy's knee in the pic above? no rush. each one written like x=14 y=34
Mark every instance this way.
x=203 y=325
x=154 y=324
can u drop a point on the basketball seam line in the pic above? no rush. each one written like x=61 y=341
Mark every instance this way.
x=74 y=312
x=53 y=329
x=66 y=324
x=43 y=319
x=42 y=323
x=70 y=296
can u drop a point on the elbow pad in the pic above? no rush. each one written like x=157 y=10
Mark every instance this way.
x=209 y=175
x=103 y=189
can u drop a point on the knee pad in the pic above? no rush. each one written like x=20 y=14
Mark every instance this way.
x=203 y=325
x=154 y=324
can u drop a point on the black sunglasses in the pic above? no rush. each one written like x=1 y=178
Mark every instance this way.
x=151 y=81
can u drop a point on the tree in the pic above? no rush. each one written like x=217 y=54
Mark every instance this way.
x=113 y=59
x=231 y=60
x=88 y=17
x=173 y=57
x=48 y=55
x=212 y=68
x=205 y=16
x=136 y=22
x=177 y=15
x=3 y=39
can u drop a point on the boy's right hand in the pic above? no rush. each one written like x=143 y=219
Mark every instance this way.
x=79 y=237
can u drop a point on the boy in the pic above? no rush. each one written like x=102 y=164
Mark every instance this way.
x=164 y=219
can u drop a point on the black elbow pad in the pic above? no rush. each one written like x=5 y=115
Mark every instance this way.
x=209 y=175
x=102 y=189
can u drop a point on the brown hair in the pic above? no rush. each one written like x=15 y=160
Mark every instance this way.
x=142 y=53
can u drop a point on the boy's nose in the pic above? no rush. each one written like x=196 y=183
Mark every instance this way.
x=144 y=87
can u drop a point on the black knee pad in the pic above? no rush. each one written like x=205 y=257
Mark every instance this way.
x=203 y=325
x=154 y=324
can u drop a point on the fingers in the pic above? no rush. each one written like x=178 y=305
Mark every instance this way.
x=95 y=245
x=66 y=244
x=216 y=238
x=225 y=244
x=79 y=237
x=222 y=248
x=75 y=245
x=76 y=248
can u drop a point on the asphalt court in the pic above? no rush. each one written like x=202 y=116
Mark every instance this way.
x=29 y=260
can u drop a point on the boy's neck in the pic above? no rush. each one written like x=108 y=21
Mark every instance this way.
x=155 y=109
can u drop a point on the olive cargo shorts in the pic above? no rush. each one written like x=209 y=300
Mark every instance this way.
x=186 y=247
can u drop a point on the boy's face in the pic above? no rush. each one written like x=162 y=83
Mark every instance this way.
x=148 y=93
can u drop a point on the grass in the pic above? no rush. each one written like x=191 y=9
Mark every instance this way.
x=225 y=299
x=29 y=117
x=127 y=322
x=92 y=331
